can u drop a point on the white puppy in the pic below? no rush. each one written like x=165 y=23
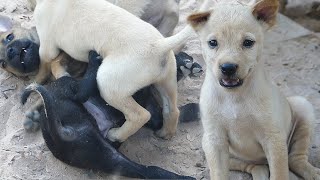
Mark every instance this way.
x=135 y=55
x=248 y=124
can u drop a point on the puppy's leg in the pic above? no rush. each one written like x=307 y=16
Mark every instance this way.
x=276 y=150
x=168 y=92
x=216 y=148
x=258 y=172
x=299 y=144
x=47 y=54
x=136 y=116
x=57 y=69
x=116 y=84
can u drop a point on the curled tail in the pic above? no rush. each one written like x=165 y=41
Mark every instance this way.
x=52 y=121
x=125 y=167
x=45 y=96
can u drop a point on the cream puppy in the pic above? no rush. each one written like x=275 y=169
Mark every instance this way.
x=135 y=55
x=248 y=124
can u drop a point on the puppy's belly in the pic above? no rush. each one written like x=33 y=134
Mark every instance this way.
x=245 y=147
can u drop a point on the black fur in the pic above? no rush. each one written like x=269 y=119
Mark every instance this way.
x=73 y=136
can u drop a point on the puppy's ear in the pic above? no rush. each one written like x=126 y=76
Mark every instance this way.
x=266 y=11
x=5 y=24
x=197 y=20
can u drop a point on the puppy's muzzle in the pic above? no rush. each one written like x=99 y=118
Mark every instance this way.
x=23 y=55
x=229 y=79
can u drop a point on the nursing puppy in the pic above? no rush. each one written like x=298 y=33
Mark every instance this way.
x=135 y=58
x=72 y=134
x=248 y=124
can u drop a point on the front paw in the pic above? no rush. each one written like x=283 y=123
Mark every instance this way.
x=113 y=135
x=165 y=134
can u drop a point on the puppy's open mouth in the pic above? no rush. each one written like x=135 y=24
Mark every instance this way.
x=231 y=82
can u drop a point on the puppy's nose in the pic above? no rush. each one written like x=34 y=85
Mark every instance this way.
x=11 y=52
x=228 y=69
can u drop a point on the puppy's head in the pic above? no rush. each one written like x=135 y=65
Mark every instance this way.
x=19 y=48
x=231 y=36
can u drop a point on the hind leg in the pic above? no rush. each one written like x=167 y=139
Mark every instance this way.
x=170 y=112
x=258 y=172
x=117 y=84
x=299 y=144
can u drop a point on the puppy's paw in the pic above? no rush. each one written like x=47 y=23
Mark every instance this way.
x=314 y=174
x=165 y=134
x=113 y=135
x=260 y=172
x=196 y=70
x=186 y=66
x=32 y=121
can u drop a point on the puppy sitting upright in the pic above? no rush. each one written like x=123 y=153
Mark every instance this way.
x=135 y=56
x=248 y=124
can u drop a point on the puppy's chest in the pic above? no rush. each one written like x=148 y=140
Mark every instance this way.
x=244 y=123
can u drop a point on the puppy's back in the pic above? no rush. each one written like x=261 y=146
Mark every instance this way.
x=77 y=26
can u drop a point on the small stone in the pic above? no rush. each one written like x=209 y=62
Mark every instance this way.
x=198 y=164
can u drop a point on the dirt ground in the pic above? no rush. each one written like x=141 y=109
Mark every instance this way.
x=292 y=57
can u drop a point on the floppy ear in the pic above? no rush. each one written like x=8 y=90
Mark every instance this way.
x=266 y=11
x=5 y=24
x=197 y=20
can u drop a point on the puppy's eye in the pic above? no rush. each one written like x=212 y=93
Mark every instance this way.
x=248 y=43
x=9 y=38
x=213 y=44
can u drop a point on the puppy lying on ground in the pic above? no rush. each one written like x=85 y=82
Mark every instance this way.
x=248 y=124
x=72 y=135
x=135 y=58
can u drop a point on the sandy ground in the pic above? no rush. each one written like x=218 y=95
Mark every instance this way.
x=291 y=56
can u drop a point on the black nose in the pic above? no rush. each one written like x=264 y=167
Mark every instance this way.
x=11 y=52
x=228 y=69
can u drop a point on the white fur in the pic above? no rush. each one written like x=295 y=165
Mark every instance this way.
x=248 y=127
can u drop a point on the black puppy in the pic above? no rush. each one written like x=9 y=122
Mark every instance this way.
x=72 y=134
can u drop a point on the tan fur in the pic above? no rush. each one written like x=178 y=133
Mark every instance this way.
x=135 y=55
x=253 y=125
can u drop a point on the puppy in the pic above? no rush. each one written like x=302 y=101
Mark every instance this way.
x=77 y=140
x=135 y=58
x=19 y=48
x=248 y=124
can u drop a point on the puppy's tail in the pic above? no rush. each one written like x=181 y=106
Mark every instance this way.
x=45 y=96
x=125 y=167
x=52 y=121
x=176 y=40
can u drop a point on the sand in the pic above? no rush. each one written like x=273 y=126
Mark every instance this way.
x=291 y=57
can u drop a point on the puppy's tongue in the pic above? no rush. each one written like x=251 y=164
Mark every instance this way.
x=230 y=82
